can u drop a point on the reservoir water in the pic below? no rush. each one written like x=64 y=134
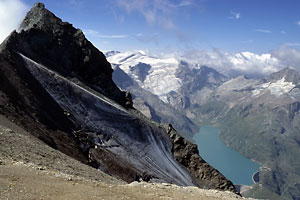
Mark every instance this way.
x=230 y=163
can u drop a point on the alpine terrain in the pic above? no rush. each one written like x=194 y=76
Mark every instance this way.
x=257 y=117
x=56 y=90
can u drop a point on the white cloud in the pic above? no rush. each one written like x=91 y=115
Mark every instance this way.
x=90 y=32
x=298 y=23
x=11 y=14
x=289 y=57
x=148 y=38
x=248 y=41
x=246 y=63
x=96 y=34
x=292 y=44
x=111 y=36
x=156 y=12
x=76 y=3
x=254 y=64
x=263 y=31
x=283 y=32
x=184 y=3
x=235 y=15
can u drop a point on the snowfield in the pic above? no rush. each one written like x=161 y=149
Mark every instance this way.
x=277 y=88
x=161 y=78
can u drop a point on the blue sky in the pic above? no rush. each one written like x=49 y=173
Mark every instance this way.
x=257 y=26
x=253 y=37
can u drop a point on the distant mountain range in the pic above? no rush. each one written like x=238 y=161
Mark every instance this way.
x=257 y=117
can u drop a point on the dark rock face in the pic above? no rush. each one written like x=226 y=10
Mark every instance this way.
x=290 y=75
x=194 y=81
x=121 y=78
x=187 y=154
x=294 y=109
x=141 y=70
x=46 y=39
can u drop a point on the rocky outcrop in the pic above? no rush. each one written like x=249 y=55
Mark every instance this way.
x=141 y=70
x=43 y=37
x=187 y=154
x=289 y=74
x=196 y=82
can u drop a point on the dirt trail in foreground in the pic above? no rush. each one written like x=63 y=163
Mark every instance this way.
x=19 y=181
x=31 y=170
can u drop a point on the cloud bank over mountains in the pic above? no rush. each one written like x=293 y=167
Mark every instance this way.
x=247 y=63
x=156 y=11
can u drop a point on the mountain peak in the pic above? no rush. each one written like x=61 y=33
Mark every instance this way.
x=288 y=70
x=111 y=53
x=41 y=18
x=46 y=39
x=206 y=69
x=290 y=75
x=39 y=5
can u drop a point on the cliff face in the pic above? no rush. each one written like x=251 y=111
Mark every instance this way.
x=187 y=154
x=55 y=84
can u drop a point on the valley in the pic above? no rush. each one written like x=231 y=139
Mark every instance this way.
x=257 y=117
x=229 y=162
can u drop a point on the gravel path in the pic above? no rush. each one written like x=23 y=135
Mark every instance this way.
x=22 y=181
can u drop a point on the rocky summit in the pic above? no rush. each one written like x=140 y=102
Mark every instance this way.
x=58 y=87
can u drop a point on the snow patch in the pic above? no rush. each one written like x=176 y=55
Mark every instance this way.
x=277 y=88
x=281 y=87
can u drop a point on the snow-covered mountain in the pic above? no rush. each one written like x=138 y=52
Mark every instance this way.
x=164 y=88
x=248 y=62
x=241 y=63
x=156 y=75
x=163 y=76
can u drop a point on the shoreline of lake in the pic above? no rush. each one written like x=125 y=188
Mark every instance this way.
x=255 y=177
x=237 y=168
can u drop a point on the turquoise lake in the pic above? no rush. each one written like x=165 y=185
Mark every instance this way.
x=230 y=163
